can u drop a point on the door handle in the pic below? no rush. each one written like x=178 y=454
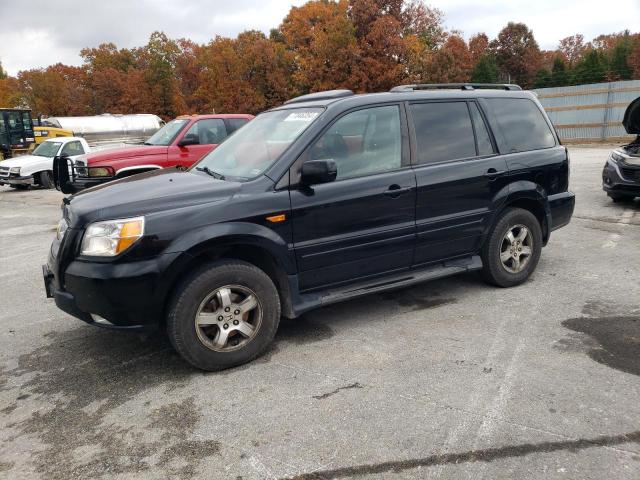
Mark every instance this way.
x=493 y=173
x=396 y=190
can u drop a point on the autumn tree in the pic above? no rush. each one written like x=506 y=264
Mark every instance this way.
x=451 y=63
x=517 y=53
x=478 y=45
x=573 y=48
x=322 y=43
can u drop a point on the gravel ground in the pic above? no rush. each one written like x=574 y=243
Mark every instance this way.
x=450 y=379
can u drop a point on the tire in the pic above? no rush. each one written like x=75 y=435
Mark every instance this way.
x=46 y=179
x=209 y=291
x=508 y=273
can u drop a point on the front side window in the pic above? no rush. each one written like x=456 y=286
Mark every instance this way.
x=522 y=124
x=166 y=134
x=47 y=149
x=256 y=146
x=362 y=142
x=210 y=131
x=72 y=149
x=443 y=131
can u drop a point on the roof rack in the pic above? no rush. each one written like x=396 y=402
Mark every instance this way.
x=326 y=95
x=455 y=86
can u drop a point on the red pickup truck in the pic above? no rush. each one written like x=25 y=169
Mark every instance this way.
x=180 y=143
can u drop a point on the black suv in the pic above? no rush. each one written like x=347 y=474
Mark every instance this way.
x=326 y=198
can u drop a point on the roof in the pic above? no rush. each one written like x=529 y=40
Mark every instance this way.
x=404 y=95
x=64 y=139
x=216 y=115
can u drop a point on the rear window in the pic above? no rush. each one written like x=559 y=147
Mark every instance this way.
x=236 y=123
x=522 y=124
x=443 y=131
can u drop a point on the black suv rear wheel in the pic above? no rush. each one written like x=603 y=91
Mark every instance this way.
x=512 y=250
x=224 y=315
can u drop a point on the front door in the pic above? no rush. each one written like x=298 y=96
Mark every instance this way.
x=363 y=223
x=207 y=133
x=459 y=175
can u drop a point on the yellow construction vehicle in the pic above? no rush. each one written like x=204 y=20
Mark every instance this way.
x=16 y=132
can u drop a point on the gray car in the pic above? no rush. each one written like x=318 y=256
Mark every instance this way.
x=621 y=174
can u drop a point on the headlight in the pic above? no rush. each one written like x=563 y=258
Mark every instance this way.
x=61 y=229
x=100 y=172
x=15 y=170
x=616 y=157
x=110 y=238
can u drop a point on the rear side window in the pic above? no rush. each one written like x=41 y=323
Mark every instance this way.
x=443 y=131
x=236 y=123
x=522 y=124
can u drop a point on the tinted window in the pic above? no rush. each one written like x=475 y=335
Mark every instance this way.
x=236 y=123
x=522 y=124
x=482 y=134
x=443 y=131
x=210 y=131
x=363 y=142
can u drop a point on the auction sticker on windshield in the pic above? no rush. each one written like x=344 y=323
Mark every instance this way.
x=301 y=116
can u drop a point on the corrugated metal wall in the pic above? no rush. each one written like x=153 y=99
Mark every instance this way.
x=590 y=113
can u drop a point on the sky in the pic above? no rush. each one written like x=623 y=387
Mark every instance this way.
x=38 y=33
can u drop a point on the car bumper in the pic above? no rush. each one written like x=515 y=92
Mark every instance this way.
x=17 y=180
x=613 y=181
x=120 y=296
x=561 y=208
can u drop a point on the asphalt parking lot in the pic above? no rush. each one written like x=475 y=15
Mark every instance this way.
x=446 y=380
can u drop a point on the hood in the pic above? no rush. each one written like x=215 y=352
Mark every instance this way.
x=24 y=161
x=146 y=193
x=631 y=119
x=105 y=157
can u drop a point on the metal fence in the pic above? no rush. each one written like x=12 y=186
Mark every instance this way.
x=590 y=113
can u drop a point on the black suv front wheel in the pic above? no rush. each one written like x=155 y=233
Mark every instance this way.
x=224 y=315
x=512 y=250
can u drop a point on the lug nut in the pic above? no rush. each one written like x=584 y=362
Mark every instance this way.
x=220 y=317
x=236 y=312
x=226 y=325
x=227 y=309
x=236 y=322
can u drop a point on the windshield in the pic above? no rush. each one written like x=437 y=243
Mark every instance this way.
x=256 y=146
x=47 y=149
x=166 y=134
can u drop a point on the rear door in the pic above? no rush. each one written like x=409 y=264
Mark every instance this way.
x=208 y=133
x=363 y=223
x=458 y=173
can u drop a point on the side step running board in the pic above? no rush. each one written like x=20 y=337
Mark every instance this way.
x=307 y=301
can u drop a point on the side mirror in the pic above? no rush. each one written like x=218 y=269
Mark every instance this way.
x=318 y=171
x=63 y=174
x=190 y=139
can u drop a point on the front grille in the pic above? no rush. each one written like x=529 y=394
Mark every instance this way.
x=4 y=171
x=630 y=173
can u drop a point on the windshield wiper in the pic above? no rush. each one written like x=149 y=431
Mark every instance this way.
x=206 y=170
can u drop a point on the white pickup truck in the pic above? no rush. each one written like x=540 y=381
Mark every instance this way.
x=37 y=168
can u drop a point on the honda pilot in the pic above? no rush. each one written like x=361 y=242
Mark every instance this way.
x=326 y=198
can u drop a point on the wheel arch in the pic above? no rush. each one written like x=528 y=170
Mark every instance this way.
x=531 y=197
x=258 y=251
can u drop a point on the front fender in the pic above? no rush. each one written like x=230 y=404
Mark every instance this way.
x=200 y=240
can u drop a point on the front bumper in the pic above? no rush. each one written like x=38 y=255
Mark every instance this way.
x=17 y=180
x=121 y=296
x=623 y=180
